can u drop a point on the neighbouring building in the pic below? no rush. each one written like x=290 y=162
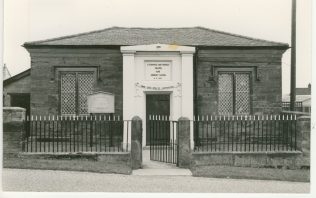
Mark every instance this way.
x=303 y=99
x=179 y=72
x=17 y=90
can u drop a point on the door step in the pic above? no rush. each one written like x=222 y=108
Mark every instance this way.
x=174 y=172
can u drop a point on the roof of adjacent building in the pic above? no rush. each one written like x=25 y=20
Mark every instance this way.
x=191 y=36
x=303 y=91
x=299 y=98
x=17 y=77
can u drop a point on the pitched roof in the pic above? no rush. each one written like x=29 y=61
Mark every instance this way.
x=303 y=91
x=17 y=77
x=299 y=98
x=122 y=36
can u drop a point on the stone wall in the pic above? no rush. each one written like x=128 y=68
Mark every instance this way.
x=136 y=144
x=13 y=130
x=44 y=78
x=92 y=162
x=17 y=87
x=14 y=156
x=303 y=139
x=280 y=159
x=45 y=90
x=266 y=96
x=299 y=159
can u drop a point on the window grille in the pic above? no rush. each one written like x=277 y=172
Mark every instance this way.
x=68 y=93
x=242 y=94
x=233 y=93
x=85 y=86
x=225 y=82
x=74 y=89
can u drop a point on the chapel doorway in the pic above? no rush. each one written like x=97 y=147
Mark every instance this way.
x=156 y=104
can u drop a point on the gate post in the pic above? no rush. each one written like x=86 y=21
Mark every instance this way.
x=13 y=130
x=303 y=132
x=136 y=142
x=184 y=152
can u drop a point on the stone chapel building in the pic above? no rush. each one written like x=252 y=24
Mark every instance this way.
x=166 y=71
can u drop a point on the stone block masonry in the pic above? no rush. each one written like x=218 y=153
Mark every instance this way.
x=14 y=156
x=45 y=78
x=184 y=152
x=265 y=92
x=92 y=162
x=136 y=144
x=206 y=163
x=13 y=130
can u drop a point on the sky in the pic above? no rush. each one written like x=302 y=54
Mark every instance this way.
x=30 y=20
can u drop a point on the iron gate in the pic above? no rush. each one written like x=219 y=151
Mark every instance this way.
x=163 y=134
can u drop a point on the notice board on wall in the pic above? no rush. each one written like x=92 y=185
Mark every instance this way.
x=101 y=102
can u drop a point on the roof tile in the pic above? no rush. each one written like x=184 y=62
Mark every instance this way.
x=192 y=36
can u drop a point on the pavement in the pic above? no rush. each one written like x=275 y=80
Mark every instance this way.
x=153 y=168
x=70 y=181
x=153 y=177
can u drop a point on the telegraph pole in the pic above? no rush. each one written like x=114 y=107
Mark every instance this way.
x=293 y=57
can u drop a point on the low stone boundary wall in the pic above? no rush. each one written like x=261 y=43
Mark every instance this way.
x=104 y=162
x=92 y=162
x=286 y=160
x=13 y=130
x=206 y=163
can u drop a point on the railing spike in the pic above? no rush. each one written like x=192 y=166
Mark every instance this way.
x=207 y=117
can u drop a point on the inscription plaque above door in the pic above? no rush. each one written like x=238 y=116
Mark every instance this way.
x=158 y=70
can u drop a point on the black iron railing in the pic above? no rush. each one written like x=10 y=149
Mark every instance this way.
x=163 y=134
x=76 y=134
x=245 y=133
x=298 y=106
